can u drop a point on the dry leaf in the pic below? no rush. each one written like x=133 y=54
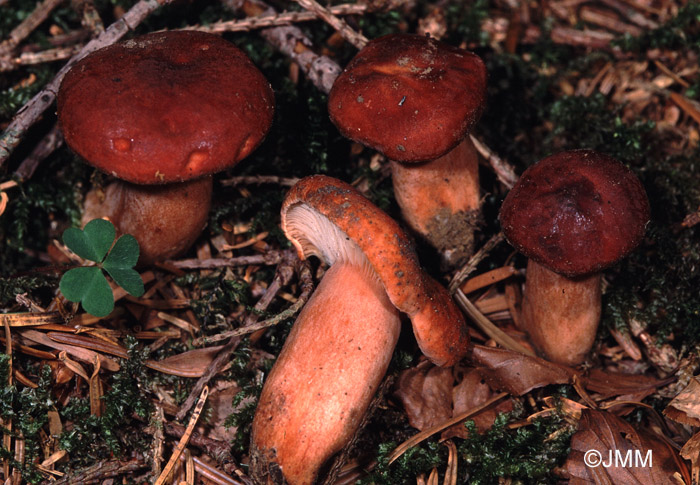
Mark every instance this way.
x=505 y=370
x=193 y=363
x=685 y=407
x=426 y=394
x=691 y=451
x=610 y=384
x=472 y=391
x=608 y=450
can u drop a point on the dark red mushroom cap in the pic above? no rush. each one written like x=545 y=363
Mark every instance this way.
x=408 y=96
x=164 y=107
x=576 y=212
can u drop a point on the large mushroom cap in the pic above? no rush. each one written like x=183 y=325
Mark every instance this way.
x=328 y=218
x=576 y=212
x=165 y=107
x=409 y=96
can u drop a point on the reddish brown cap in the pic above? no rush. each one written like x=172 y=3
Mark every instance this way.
x=164 y=107
x=328 y=218
x=409 y=96
x=576 y=212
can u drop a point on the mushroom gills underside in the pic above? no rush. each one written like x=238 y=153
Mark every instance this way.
x=313 y=234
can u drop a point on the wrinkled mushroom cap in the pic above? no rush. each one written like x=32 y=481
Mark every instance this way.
x=328 y=218
x=165 y=107
x=410 y=97
x=576 y=212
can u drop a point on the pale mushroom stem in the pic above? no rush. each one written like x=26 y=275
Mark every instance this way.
x=561 y=314
x=439 y=200
x=325 y=377
x=164 y=219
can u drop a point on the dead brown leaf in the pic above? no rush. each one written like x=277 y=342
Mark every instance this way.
x=685 y=407
x=610 y=384
x=608 y=450
x=471 y=392
x=505 y=370
x=193 y=363
x=426 y=394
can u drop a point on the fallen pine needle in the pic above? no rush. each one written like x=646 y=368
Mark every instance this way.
x=425 y=434
x=185 y=437
x=486 y=326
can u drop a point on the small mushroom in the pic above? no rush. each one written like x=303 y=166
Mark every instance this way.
x=164 y=108
x=415 y=99
x=572 y=214
x=341 y=344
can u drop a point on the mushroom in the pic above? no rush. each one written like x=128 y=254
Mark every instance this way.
x=415 y=99
x=165 y=108
x=572 y=214
x=341 y=344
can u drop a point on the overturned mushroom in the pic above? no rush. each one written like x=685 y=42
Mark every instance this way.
x=415 y=99
x=572 y=214
x=340 y=346
x=164 y=108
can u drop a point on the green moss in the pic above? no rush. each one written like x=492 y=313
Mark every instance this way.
x=524 y=455
x=92 y=438
x=680 y=32
x=415 y=461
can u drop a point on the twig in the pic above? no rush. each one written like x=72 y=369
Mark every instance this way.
x=413 y=441
x=306 y=286
x=185 y=437
x=278 y=19
x=35 y=107
x=291 y=41
x=355 y=38
x=504 y=171
x=474 y=261
x=100 y=471
x=223 y=357
x=269 y=258
x=259 y=179
x=22 y=31
x=51 y=141
x=49 y=55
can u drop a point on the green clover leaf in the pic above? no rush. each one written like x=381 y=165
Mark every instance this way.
x=93 y=241
x=88 y=284
x=120 y=262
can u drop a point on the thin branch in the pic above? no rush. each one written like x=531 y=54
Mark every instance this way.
x=355 y=38
x=31 y=58
x=51 y=141
x=474 y=261
x=291 y=41
x=504 y=171
x=278 y=19
x=22 y=31
x=307 y=287
x=282 y=277
x=268 y=259
x=32 y=111
x=258 y=180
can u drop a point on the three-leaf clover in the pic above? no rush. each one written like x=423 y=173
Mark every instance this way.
x=88 y=284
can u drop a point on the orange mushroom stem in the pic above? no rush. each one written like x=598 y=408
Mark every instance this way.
x=340 y=347
x=573 y=214
x=415 y=99
x=167 y=218
x=439 y=200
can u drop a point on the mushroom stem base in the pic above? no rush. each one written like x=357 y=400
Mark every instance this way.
x=439 y=201
x=164 y=219
x=561 y=314
x=325 y=377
